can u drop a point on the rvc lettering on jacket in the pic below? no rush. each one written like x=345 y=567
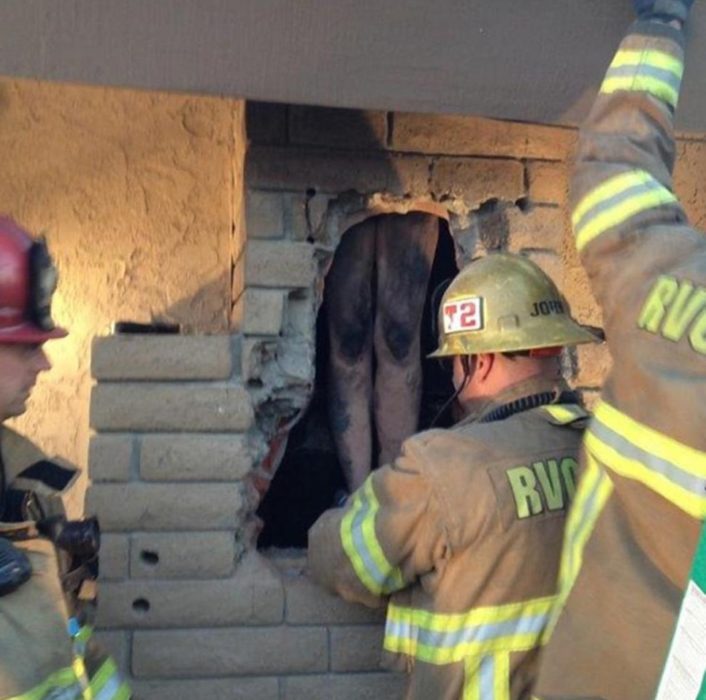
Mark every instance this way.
x=674 y=308
x=544 y=486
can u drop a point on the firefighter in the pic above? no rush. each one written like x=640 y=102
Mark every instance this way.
x=634 y=525
x=46 y=645
x=462 y=532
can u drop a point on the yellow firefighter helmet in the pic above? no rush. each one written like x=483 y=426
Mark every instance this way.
x=505 y=303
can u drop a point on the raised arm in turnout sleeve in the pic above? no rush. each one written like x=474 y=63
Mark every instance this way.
x=628 y=224
x=390 y=532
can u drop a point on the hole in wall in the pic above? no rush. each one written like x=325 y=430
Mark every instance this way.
x=141 y=606
x=149 y=557
x=310 y=477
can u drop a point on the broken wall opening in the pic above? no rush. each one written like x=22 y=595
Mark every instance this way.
x=309 y=477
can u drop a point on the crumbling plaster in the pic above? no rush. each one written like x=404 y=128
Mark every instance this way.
x=138 y=195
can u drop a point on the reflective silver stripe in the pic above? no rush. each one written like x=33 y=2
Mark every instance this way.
x=441 y=638
x=605 y=204
x=110 y=689
x=671 y=471
x=665 y=76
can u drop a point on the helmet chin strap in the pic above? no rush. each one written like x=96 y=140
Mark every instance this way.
x=466 y=377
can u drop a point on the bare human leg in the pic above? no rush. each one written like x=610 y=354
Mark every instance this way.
x=405 y=253
x=350 y=302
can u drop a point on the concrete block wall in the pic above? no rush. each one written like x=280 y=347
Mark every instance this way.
x=187 y=606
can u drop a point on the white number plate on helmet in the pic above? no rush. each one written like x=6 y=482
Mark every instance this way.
x=465 y=314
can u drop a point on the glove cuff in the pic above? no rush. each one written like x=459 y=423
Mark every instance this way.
x=668 y=10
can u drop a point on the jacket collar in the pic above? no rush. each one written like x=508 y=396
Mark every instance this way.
x=524 y=395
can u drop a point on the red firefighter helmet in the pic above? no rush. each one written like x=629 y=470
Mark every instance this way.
x=27 y=282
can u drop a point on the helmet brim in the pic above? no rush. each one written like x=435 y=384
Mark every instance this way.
x=577 y=334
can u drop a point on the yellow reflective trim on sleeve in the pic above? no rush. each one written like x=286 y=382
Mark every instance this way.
x=642 y=83
x=107 y=683
x=62 y=679
x=565 y=413
x=102 y=675
x=658 y=59
x=671 y=469
x=606 y=190
x=619 y=214
x=654 y=72
x=650 y=440
x=593 y=492
x=362 y=546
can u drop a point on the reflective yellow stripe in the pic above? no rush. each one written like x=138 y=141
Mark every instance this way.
x=615 y=201
x=658 y=59
x=502 y=677
x=671 y=469
x=471 y=680
x=487 y=677
x=362 y=547
x=606 y=190
x=441 y=638
x=591 y=496
x=107 y=684
x=655 y=72
x=103 y=675
x=62 y=679
x=565 y=413
x=642 y=83
x=84 y=634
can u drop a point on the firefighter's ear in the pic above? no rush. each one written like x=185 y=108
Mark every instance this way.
x=485 y=361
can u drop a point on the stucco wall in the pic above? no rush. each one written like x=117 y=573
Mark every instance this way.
x=137 y=194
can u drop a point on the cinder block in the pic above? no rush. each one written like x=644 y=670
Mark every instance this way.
x=477 y=180
x=305 y=215
x=594 y=363
x=163 y=407
x=265 y=214
x=213 y=653
x=211 y=603
x=577 y=290
x=475 y=136
x=356 y=648
x=114 y=557
x=354 y=686
x=195 y=457
x=548 y=182
x=137 y=506
x=117 y=644
x=184 y=555
x=279 y=264
x=161 y=357
x=301 y=315
x=110 y=457
x=331 y=126
x=590 y=397
x=299 y=169
x=308 y=603
x=551 y=263
x=264 y=311
x=539 y=227
x=223 y=689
